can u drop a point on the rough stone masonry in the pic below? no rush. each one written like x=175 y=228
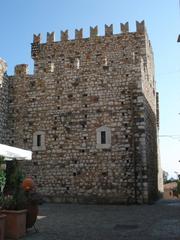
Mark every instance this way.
x=89 y=113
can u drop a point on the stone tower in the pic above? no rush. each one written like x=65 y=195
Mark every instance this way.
x=89 y=114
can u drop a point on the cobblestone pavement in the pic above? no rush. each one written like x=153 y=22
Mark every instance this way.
x=160 y=221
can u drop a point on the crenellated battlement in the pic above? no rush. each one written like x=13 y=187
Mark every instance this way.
x=37 y=38
x=108 y=30
x=93 y=33
x=125 y=27
x=64 y=35
x=50 y=37
x=21 y=69
x=79 y=34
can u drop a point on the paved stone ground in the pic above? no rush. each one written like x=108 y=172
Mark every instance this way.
x=160 y=221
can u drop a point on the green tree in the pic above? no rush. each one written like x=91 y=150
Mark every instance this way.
x=2 y=174
x=165 y=176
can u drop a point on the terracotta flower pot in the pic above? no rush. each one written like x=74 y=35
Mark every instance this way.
x=32 y=212
x=2 y=226
x=15 y=224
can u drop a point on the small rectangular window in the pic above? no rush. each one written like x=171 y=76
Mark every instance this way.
x=103 y=137
x=38 y=140
x=52 y=67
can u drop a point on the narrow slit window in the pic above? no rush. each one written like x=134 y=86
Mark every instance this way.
x=105 y=61
x=77 y=63
x=103 y=137
x=38 y=140
x=52 y=67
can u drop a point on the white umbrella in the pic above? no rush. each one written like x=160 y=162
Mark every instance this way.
x=14 y=153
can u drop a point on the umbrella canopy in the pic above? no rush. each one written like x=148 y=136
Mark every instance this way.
x=11 y=153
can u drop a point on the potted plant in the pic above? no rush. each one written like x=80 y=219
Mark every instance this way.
x=2 y=173
x=14 y=203
x=33 y=200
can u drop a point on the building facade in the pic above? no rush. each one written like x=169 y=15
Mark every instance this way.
x=90 y=115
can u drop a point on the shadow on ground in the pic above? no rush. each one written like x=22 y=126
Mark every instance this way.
x=160 y=221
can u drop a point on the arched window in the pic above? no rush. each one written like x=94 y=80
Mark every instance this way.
x=103 y=136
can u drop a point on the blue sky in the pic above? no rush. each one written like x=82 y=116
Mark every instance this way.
x=20 y=19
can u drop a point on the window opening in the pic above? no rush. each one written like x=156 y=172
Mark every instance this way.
x=105 y=61
x=103 y=137
x=38 y=140
x=52 y=67
x=77 y=63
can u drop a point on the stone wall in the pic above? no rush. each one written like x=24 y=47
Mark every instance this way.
x=4 y=102
x=82 y=90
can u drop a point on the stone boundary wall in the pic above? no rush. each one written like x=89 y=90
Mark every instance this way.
x=4 y=102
